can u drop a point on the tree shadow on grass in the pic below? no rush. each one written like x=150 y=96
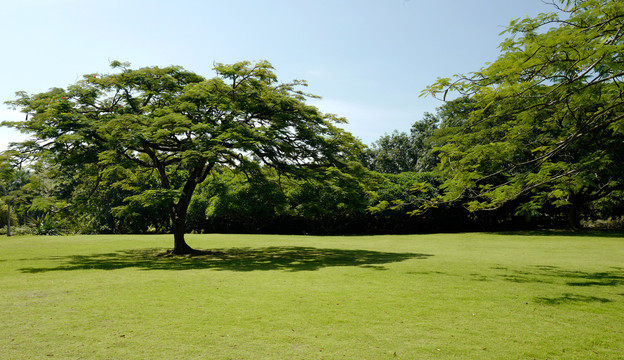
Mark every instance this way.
x=236 y=259
x=570 y=299
x=552 y=275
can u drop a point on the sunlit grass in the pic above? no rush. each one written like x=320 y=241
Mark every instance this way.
x=445 y=296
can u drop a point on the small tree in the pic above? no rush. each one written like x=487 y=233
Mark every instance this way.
x=12 y=178
x=180 y=125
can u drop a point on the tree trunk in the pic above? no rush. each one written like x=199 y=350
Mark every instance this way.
x=180 y=247
x=178 y=219
x=574 y=221
x=179 y=210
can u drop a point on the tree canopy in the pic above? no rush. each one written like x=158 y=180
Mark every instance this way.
x=547 y=120
x=402 y=152
x=178 y=126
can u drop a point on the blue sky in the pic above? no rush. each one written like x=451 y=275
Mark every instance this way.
x=368 y=59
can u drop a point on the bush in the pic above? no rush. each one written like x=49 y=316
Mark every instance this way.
x=608 y=224
x=44 y=225
x=17 y=230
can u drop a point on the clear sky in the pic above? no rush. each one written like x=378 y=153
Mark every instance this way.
x=368 y=59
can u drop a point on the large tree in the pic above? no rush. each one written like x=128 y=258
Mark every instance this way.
x=546 y=120
x=178 y=126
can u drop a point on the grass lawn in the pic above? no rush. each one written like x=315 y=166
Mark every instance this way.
x=442 y=296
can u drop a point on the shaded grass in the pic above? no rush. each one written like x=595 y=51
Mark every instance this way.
x=445 y=296
x=289 y=258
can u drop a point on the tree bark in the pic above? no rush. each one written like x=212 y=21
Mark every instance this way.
x=179 y=210
x=178 y=220
x=574 y=221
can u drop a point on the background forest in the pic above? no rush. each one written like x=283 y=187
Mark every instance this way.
x=534 y=139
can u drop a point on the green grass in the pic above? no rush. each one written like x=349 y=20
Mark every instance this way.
x=444 y=296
